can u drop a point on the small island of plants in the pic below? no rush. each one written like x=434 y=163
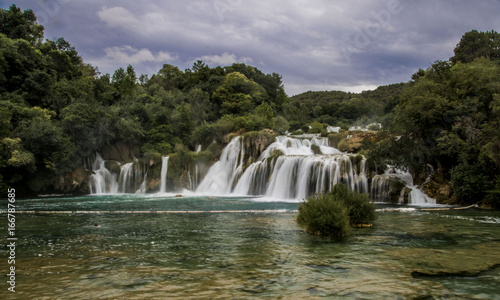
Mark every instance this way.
x=335 y=212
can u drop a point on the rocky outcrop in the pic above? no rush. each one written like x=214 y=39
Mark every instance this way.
x=76 y=182
x=441 y=191
x=386 y=188
x=439 y=188
x=120 y=151
x=255 y=143
x=352 y=141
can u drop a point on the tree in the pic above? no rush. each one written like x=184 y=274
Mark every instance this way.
x=61 y=57
x=238 y=95
x=89 y=124
x=265 y=114
x=17 y=24
x=475 y=44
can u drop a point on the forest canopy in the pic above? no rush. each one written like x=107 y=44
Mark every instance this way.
x=57 y=111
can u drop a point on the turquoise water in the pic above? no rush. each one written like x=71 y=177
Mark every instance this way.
x=245 y=255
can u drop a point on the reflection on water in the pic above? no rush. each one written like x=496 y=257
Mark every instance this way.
x=443 y=254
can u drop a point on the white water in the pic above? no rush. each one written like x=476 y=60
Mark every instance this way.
x=380 y=188
x=222 y=174
x=102 y=181
x=132 y=178
x=163 y=175
x=288 y=169
x=295 y=174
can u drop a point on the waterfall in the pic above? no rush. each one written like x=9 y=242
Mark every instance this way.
x=125 y=175
x=393 y=183
x=287 y=169
x=163 y=175
x=102 y=181
x=221 y=176
x=131 y=179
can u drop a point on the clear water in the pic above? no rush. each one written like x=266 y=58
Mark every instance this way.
x=406 y=255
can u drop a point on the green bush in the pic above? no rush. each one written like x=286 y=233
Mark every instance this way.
x=343 y=145
x=316 y=127
x=335 y=138
x=331 y=213
x=316 y=149
x=322 y=215
x=361 y=210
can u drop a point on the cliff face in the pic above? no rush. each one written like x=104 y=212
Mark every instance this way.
x=255 y=143
x=439 y=188
x=76 y=182
x=121 y=152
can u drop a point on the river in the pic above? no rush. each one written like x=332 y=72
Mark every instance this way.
x=244 y=248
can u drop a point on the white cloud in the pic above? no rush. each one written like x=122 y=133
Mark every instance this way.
x=130 y=55
x=223 y=60
x=315 y=45
x=118 y=17
x=142 y=59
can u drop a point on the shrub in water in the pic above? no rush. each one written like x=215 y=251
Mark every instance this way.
x=332 y=212
x=361 y=210
x=323 y=215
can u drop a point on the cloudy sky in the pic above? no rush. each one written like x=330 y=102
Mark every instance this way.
x=314 y=45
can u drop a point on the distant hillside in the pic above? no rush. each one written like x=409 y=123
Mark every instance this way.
x=342 y=108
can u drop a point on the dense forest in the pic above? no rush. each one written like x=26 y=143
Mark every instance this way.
x=57 y=111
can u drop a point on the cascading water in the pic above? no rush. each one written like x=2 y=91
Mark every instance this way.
x=163 y=175
x=383 y=185
x=102 y=181
x=221 y=176
x=287 y=169
x=131 y=179
x=290 y=168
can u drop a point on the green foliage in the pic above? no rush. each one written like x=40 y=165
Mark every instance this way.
x=469 y=183
x=343 y=145
x=493 y=197
x=281 y=125
x=335 y=138
x=160 y=139
x=19 y=157
x=361 y=210
x=475 y=44
x=316 y=127
x=238 y=95
x=17 y=24
x=331 y=213
x=339 y=108
x=316 y=149
x=264 y=114
x=47 y=142
x=322 y=215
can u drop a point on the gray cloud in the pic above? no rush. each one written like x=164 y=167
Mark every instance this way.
x=315 y=45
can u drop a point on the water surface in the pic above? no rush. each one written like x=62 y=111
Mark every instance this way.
x=246 y=255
